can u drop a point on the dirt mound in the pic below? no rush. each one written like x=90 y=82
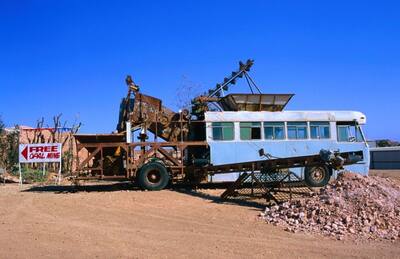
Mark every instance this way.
x=354 y=206
x=8 y=178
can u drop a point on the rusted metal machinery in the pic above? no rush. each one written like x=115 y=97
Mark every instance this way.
x=148 y=113
x=171 y=147
x=181 y=145
x=270 y=178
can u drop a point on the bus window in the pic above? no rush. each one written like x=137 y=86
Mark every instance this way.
x=349 y=132
x=222 y=130
x=250 y=130
x=297 y=130
x=274 y=130
x=319 y=130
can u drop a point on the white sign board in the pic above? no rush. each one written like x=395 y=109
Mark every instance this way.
x=40 y=153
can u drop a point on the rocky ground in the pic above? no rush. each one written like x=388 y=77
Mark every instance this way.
x=352 y=207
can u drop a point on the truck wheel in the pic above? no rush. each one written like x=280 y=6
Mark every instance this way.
x=153 y=176
x=317 y=176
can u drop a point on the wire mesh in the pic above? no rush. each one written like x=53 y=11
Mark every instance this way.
x=273 y=186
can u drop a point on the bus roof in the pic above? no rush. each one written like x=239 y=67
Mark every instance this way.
x=213 y=116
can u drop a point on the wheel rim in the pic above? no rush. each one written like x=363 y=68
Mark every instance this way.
x=318 y=174
x=154 y=176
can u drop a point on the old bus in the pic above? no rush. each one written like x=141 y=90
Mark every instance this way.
x=234 y=137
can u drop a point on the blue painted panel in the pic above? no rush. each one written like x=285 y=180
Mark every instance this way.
x=244 y=151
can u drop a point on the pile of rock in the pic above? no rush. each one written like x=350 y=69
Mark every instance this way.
x=355 y=206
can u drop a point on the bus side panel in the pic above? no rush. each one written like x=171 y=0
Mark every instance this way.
x=224 y=152
x=244 y=151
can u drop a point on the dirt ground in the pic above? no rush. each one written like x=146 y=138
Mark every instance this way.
x=115 y=220
x=394 y=174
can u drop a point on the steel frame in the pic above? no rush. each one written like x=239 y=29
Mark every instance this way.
x=148 y=150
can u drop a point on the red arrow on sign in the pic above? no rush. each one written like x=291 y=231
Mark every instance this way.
x=24 y=153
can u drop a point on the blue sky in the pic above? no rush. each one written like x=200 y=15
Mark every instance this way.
x=72 y=57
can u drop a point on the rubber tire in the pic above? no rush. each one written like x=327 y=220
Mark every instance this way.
x=144 y=182
x=311 y=182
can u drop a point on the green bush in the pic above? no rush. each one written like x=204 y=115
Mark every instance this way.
x=30 y=175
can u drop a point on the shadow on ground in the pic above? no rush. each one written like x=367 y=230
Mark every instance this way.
x=128 y=186
x=110 y=187
x=217 y=199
